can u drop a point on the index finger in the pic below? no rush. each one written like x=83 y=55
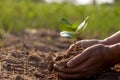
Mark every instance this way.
x=72 y=47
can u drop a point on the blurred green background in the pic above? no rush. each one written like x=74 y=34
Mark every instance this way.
x=16 y=15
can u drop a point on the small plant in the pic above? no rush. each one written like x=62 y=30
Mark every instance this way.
x=72 y=30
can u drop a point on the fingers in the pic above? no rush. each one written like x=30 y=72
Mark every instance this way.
x=63 y=75
x=84 y=44
x=77 y=60
x=69 y=70
x=70 y=48
x=64 y=70
x=79 y=69
x=90 y=71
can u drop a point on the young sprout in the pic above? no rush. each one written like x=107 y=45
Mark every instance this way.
x=72 y=30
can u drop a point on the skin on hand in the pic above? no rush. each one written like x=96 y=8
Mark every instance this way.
x=88 y=63
x=94 y=58
x=84 y=44
x=113 y=39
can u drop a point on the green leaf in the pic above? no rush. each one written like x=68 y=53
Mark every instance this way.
x=67 y=28
x=82 y=26
x=65 y=21
x=67 y=34
x=75 y=25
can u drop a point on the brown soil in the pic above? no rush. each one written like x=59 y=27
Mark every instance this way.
x=25 y=56
x=61 y=60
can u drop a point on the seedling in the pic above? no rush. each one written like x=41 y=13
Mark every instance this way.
x=72 y=31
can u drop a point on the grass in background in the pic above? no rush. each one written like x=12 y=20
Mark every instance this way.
x=16 y=15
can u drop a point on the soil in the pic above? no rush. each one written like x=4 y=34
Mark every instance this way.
x=26 y=55
x=61 y=60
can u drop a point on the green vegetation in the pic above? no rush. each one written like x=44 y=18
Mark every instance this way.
x=19 y=14
x=72 y=30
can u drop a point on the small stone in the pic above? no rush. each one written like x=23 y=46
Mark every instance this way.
x=19 y=78
x=39 y=75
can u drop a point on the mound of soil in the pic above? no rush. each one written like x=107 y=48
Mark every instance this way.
x=26 y=55
x=61 y=60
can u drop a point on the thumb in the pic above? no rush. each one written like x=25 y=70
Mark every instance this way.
x=70 y=49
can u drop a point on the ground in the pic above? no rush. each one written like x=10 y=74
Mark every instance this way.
x=25 y=56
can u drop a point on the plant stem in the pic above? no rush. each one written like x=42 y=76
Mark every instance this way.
x=74 y=42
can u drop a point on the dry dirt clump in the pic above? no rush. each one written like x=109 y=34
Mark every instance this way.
x=25 y=65
x=61 y=60
x=26 y=56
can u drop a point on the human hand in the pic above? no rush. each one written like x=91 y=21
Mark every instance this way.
x=86 y=64
x=84 y=44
